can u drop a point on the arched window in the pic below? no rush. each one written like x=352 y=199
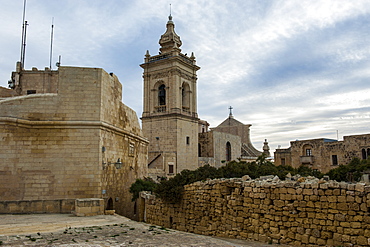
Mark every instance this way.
x=364 y=156
x=185 y=96
x=162 y=95
x=228 y=151
x=368 y=153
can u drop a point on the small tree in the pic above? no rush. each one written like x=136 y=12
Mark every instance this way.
x=351 y=172
x=146 y=184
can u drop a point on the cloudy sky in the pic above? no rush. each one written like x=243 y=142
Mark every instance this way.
x=294 y=69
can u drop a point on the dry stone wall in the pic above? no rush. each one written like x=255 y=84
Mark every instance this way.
x=300 y=213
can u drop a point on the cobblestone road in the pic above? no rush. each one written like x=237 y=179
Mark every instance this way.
x=102 y=230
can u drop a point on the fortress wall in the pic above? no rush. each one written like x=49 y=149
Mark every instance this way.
x=311 y=213
x=65 y=145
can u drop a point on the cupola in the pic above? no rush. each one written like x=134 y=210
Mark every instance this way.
x=170 y=41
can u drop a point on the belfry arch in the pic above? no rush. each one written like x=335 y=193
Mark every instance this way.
x=185 y=96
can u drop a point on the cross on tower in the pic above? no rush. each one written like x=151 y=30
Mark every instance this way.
x=231 y=112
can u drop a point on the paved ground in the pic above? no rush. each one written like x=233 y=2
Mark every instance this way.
x=102 y=230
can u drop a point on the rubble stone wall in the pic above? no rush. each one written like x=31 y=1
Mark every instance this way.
x=305 y=213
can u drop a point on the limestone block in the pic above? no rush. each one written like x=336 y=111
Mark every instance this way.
x=89 y=207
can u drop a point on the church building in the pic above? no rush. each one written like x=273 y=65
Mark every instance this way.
x=170 y=119
x=178 y=139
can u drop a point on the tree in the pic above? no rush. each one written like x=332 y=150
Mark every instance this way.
x=146 y=184
x=351 y=172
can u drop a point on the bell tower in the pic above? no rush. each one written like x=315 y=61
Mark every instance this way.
x=170 y=119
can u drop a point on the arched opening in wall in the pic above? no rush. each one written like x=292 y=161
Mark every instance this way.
x=228 y=151
x=162 y=95
x=368 y=152
x=185 y=97
x=364 y=154
x=199 y=150
x=109 y=204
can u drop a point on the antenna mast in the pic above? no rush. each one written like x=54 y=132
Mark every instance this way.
x=51 y=41
x=24 y=31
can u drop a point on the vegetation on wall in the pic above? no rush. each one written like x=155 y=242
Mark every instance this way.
x=171 y=190
x=146 y=184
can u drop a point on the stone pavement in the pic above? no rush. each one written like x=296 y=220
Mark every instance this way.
x=101 y=230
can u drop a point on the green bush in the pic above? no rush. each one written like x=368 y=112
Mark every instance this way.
x=171 y=190
x=351 y=172
x=146 y=184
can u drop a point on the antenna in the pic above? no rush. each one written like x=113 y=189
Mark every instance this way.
x=59 y=61
x=24 y=30
x=337 y=136
x=51 y=40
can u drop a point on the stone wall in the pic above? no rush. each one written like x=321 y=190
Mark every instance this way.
x=65 y=206
x=78 y=142
x=306 y=213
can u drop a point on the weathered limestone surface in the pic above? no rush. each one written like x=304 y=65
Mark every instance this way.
x=89 y=207
x=321 y=152
x=306 y=213
x=73 y=138
x=64 y=206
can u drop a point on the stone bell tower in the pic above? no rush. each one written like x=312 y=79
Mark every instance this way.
x=170 y=119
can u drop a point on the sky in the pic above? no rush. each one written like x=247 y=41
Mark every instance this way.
x=294 y=69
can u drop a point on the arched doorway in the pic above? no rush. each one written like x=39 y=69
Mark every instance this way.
x=109 y=204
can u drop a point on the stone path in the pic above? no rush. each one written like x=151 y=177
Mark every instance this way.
x=101 y=230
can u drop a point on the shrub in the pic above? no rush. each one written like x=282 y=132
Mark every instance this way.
x=351 y=172
x=171 y=190
x=146 y=184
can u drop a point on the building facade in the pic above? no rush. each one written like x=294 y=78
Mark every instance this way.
x=66 y=134
x=324 y=154
x=170 y=119
x=229 y=141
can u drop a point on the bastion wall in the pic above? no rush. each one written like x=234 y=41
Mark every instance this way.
x=311 y=212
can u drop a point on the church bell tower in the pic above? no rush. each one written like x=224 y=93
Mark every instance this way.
x=170 y=119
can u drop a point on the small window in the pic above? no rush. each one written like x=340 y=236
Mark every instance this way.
x=364 y=154
x=283 y=161
x=187 y=140
x=334 y=159
x=308 y=152
x=170 y=169
x=131 y=149
x=31 y=91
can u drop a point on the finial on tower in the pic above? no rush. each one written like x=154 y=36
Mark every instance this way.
x=170 y=16
x=170 y=41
